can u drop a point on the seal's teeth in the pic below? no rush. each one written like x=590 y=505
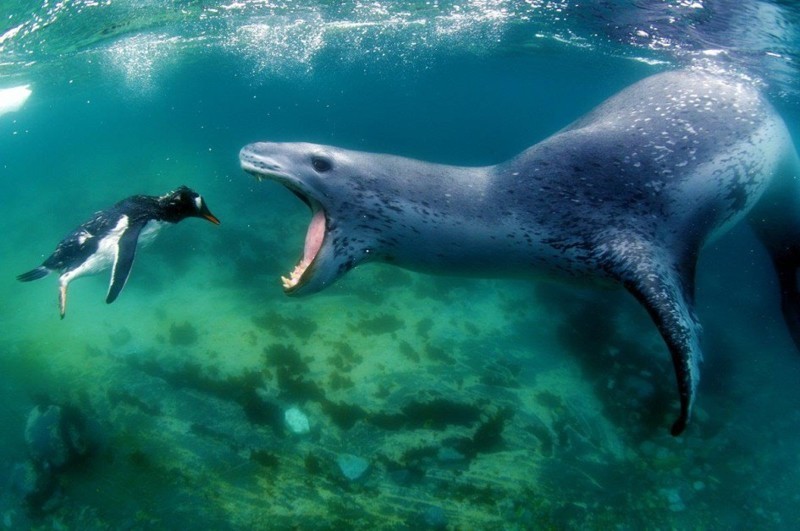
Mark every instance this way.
x=297 y=273
x=293 y=279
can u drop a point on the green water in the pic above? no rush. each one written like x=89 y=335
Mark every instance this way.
x=491 y=404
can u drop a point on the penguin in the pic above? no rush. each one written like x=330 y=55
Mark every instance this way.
x=110 y=237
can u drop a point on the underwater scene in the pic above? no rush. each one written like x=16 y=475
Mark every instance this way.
x=205 y=397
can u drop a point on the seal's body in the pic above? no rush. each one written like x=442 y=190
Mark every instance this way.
x=110 y=238
x=629 y=193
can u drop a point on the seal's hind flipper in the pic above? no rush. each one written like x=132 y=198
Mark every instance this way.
x=672 y=313
x=664 y=284
x=123 y=261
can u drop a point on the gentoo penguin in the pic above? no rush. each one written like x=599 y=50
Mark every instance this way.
x=110 y=238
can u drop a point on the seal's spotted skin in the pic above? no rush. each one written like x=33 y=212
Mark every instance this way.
x=629 y=193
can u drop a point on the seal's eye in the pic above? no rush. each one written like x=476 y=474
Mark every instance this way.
x=320 y=164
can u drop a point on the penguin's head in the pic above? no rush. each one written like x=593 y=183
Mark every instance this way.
x=185 y=203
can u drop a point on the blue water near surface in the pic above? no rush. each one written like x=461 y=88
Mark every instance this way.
x=500 y=404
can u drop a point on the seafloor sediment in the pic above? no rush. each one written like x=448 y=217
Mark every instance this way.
x=431 y=402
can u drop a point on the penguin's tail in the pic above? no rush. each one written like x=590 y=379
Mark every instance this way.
x=34 y=274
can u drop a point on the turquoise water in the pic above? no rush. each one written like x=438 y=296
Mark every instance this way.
x=475 y=403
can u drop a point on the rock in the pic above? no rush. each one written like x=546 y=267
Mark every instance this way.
x=639 y=389
x=447 y=454
x=434 y=517
x=268 y=394
x=44 y=436
x=183 y=335
x=23 y=479
x=120 y=338
x=16 y=519
x=674 y=500
x=56 y=436
x=352 y=466
x=401 y=476
x=296 y=421
x=648 y=448
x=663 y=454
x=32 y=485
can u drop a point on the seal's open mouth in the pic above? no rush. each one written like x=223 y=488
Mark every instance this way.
x=315 y=235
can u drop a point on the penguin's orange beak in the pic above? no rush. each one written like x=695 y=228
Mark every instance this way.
x=206 y=213
x=211 y=217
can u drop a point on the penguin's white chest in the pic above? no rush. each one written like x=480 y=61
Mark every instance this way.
x=105 y=255
x=150 y=231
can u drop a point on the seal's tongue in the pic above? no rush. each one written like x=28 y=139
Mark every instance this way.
x=314 y=238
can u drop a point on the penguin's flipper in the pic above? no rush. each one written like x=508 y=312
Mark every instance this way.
x=123 y=261
x=34 y=274
x=663 y=282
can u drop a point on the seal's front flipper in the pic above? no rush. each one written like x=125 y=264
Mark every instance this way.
x=787 y=264
x=776 y=222
x=664 y=285
x=123 y=261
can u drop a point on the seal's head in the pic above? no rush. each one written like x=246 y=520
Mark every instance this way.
x=327 y=180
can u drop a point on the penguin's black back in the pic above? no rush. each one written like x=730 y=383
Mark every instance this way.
x=76 y=247
x=83 y=242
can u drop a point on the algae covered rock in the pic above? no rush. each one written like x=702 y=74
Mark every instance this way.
x=56 y=436
x=45 y=438
x=32 y=486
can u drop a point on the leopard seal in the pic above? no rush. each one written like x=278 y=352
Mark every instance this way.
x=629 y=193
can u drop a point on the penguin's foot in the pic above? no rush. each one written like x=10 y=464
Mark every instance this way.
x=62 y=300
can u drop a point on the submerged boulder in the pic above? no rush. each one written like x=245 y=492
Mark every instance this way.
x=352 y=466
x=56 y=436
x=296 y=421
x=33 y=487
x=44 y=437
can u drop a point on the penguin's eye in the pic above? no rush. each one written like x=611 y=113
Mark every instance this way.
x=321 y=164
